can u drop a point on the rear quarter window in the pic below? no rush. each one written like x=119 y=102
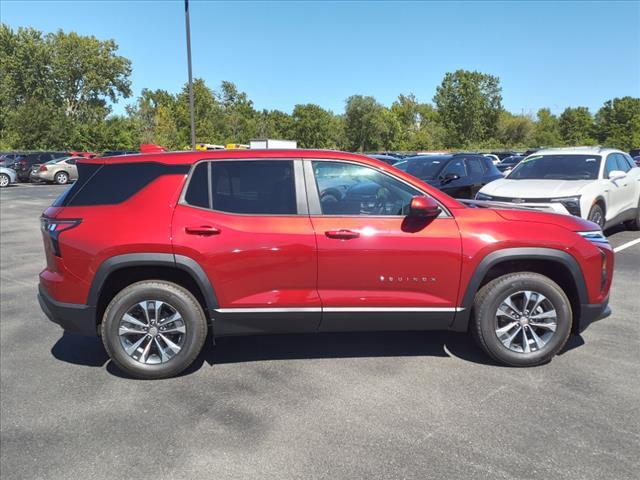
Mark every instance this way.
x=109 y=184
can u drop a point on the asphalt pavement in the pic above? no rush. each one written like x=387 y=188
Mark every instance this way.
x=334 y=406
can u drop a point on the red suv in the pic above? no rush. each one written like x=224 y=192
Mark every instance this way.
x=153 y=251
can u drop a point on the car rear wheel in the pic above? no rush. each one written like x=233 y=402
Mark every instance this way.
x=153 y=329
x=4 y=180
x=61 y=178
x=596 y=215
x=522 y=319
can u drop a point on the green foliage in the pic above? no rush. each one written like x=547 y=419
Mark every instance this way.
x=55 y=88
x=469 y=106
x=547 y=129
x=617 y=123
x=369 y=126
x=514 y=130
x=313 y=127
x=576 y=126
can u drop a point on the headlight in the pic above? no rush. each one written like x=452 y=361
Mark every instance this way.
x=572 y=204
x=482 y=196
x=594 y=236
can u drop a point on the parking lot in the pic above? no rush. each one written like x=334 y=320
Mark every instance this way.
x=400 y=405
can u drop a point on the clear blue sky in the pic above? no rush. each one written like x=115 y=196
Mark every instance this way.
x=553 y=54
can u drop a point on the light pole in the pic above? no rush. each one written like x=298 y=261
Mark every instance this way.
x=191 y=112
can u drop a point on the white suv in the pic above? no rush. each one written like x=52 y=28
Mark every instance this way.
x=598 y=184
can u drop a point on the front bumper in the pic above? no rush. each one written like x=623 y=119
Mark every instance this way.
x=70 y=316
x=590 y=313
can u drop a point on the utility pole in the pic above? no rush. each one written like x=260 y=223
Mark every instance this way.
x=191 y=110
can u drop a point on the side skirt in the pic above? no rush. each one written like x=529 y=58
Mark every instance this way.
x=256 y=321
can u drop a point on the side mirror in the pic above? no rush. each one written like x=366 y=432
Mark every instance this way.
x=423 y=207
x=616 y=174
x=450 y=177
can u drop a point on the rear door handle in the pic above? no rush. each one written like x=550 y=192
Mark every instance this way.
x=204 y=230
x=342 y=234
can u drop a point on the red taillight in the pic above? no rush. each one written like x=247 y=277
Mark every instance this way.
x=43 y=168
x=53 y=227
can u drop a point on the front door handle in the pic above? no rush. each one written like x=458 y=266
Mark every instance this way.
x=204 y=230
x=342 y=234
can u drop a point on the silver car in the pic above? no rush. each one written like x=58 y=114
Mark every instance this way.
x=7 y=176
x=59 y=170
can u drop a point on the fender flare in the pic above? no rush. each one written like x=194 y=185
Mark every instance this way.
x=182 y=262
x=462 y=318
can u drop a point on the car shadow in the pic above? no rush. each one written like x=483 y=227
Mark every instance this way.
x=80 y=350
x=89 y=351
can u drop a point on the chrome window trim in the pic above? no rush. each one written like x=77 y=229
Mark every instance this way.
x=301 y=197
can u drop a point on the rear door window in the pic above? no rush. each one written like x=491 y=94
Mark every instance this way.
x=259 y=187
x=455 y=166
x=475 y=167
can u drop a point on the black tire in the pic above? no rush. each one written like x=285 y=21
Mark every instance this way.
x=485 y=321
x=596 y=215
x=183 y=302
x=635 y=223
x=5 y=180
x=61 y=178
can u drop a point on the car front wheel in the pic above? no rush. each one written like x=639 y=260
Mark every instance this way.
x=596 y=215
x=153 y=329
x=522 y=319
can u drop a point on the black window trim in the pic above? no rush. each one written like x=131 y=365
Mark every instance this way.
x=298 y=176
x=313 y=197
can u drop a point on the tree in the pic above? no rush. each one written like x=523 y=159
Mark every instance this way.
x=514 y=130
x=240 y=118
x=617 y=123
x=313 y=126
x=469 y=105
x=55 y=87
x=547 y=131
x=576 y=126
x=275 y=124
x=369 y=126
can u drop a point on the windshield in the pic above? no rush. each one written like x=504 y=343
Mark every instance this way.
x=401 y=165
x=557 y=167
x=426 y=168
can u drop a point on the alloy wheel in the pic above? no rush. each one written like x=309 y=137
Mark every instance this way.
x=525 y=321
x=4 y=180
x=152 y=332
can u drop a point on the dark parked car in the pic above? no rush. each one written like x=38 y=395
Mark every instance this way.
x=635 y=152
x=389 y=159
x=7 y=159
x=459 y=175
x=637 y=160
x=507 y=164
x=23 y=164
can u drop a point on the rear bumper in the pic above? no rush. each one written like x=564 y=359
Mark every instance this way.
x=590 y=313
x=70 y=316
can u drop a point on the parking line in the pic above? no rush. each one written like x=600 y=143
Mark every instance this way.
x=626 y=245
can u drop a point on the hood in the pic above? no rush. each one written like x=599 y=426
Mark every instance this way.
x=575 y=224
x=505 y=187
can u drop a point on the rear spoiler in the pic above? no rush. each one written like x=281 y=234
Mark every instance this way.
x=503 y=205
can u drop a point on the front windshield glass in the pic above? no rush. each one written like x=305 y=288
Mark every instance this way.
x=557 y=167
